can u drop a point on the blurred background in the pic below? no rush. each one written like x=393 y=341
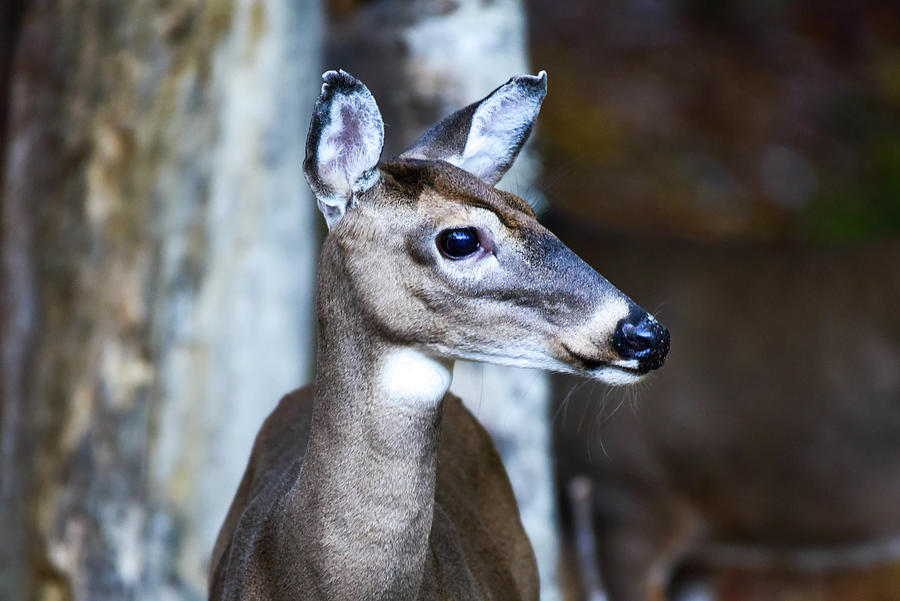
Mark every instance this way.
x=733 y=166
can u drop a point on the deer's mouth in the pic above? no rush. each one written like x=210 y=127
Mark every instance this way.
x=617 y=375
x=618 y=372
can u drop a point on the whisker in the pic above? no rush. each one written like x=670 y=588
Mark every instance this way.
x=658 y=312
x=587 y=406
x=619 y=406
x=564 y=406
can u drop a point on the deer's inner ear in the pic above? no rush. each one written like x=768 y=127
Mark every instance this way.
x=485 y=137
x=346 y=137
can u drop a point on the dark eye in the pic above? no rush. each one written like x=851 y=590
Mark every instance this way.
x=459 y=243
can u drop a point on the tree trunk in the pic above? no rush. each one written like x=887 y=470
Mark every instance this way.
x=158 y=256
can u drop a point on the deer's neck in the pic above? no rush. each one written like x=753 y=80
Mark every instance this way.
x=366 y=491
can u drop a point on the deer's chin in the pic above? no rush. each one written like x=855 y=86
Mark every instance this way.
x=620 y=372
x=617 y=376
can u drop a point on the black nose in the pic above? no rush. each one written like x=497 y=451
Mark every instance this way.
x=639 y=336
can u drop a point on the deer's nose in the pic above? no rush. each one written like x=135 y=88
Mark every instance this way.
x=639 y=336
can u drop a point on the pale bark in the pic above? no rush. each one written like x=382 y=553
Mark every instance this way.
x=158 y=249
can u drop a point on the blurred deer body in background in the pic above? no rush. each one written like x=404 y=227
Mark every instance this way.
x=776 y=445
x=376 y=483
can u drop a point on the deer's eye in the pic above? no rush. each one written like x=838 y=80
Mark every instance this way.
x=459 y=243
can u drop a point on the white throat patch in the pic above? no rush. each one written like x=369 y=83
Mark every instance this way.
x=409 y=377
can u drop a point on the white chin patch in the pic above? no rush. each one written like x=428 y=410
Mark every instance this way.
x=616 y=377
x=409 y=377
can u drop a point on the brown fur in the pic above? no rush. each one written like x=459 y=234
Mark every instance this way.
x=383 y=487
x=475 y=511
x=336 y=502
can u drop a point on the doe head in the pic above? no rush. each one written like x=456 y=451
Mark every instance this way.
x=438 y=259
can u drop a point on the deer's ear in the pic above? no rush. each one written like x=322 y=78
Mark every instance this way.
x=485 y=137
x=345 y=139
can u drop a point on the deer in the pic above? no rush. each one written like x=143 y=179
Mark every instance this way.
x=374 y=482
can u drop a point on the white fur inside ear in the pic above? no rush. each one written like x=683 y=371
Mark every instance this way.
x=498 y=126
x=349 y=149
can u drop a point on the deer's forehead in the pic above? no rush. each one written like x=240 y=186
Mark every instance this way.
x=438 y=188
x=441 y=208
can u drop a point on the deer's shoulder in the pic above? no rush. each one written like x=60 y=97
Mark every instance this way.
x=282 y=438
x=280 y=441
x=476 y=513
